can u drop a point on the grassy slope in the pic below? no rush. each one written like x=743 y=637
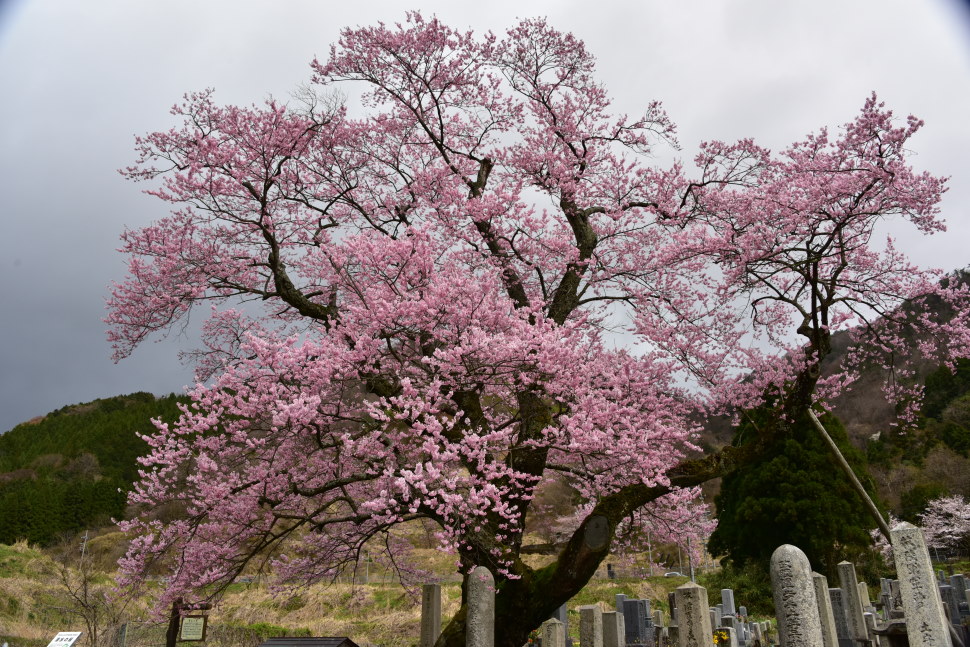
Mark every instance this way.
x=32 y=603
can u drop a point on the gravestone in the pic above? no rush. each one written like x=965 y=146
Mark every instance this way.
x=727 y=600
x=620 y=598
x=841 y=624
x=614 y=634
x=887 y=605
x=562 y=615
x=852 y=602
x=830 y=637
x=959 y=583
x=758 y=638
x=950 y=605
x=925 y=623
x=636 y=622
x=553 y=633
x=867 y=605
x=896 y=595
x=694 y=620
x=794 y=594
x=430 y=614
x=480 y=623
x=590 y=626
x=870 y=620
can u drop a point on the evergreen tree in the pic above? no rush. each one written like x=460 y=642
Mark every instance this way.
x=795 y=495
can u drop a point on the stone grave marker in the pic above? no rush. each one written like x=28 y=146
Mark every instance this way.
x=614 y=634
x=590 y=626
x=959 y=583
x=430 y=614
x=794 y=594
x=870 y=620
x=694 y=624
x=852 y=601
x=841 y=624
x=950 y=605
x=562 y=615
x=727 y=600
x=636 y=622
x=553 y=633
x=480 y=624
x=830 y=637
x=926 y=625
x=620 y=598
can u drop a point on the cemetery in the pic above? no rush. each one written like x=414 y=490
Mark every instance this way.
x=921 y=608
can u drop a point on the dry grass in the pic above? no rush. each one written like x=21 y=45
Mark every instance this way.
x=32 y=602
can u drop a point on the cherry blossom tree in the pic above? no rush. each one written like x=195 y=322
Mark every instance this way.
x=412 y=310
x=946 y=522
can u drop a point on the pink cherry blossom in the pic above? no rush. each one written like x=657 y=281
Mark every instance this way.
x=411 y=311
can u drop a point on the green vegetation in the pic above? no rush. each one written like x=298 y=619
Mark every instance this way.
x=751 y=582
x=795 y=495
x=945 y=420
x=70 y=470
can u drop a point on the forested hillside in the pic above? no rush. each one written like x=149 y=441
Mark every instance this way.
x=932 y=460
x=70 y=470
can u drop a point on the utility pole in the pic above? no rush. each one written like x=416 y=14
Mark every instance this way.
x=650 y=552
x=690 y=562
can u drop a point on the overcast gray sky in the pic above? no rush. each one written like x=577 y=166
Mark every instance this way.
x=79 y=79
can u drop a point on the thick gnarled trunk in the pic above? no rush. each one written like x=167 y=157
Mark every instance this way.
x=524 y=603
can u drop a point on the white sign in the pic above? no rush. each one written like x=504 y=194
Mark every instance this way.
x=193 y=629
x=65 y=639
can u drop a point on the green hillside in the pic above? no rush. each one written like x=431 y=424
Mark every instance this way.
x=70 y=470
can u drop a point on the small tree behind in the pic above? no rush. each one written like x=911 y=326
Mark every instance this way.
x=791 y=495
x=946 y=523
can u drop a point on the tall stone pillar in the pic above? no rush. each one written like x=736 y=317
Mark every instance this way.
x=480 y=623
x=430 y=614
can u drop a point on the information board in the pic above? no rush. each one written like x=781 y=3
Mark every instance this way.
x=192 y=629
x=65 y=639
